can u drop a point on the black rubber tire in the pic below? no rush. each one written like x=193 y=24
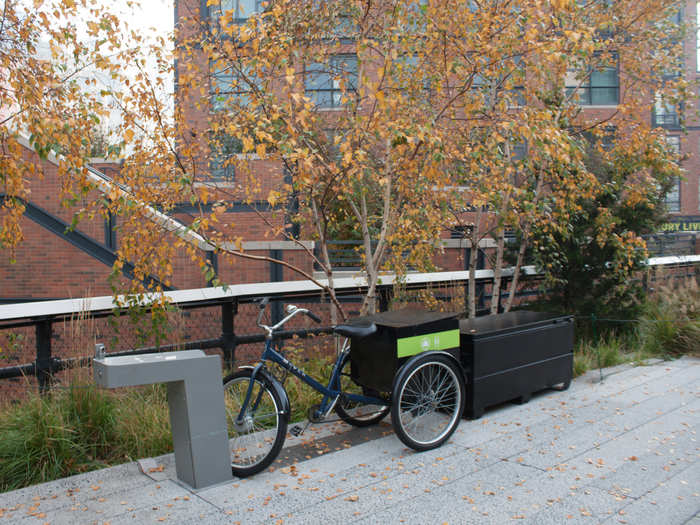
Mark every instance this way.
x=427 y=401
x=268 y=427
x=357 y=414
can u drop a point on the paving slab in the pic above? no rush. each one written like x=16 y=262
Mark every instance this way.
x=622 y=451
x=675 y=500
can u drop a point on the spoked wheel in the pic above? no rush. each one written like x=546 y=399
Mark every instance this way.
x=353 y=413
x=427 y=401
x=255 y=442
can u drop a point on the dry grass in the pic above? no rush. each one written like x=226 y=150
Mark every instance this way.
x=670 y=323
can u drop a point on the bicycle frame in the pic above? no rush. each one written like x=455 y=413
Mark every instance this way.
x=331 y=392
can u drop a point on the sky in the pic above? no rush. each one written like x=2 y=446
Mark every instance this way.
x=157 y=14
x=147 y=17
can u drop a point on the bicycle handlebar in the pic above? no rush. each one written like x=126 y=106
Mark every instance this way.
x=313 y=316
x=292 y=311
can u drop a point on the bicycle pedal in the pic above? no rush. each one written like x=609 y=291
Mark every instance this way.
x=296 y=430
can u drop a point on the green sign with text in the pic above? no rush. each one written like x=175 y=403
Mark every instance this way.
x=690 y=223
x=408 y=346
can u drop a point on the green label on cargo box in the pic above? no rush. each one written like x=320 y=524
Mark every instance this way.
x=423 y=343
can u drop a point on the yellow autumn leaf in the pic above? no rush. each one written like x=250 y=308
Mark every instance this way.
x=248 y=144
x=272 y=198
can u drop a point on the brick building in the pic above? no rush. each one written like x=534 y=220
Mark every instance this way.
x=682 y=126
x=53 y=263
x=598 y=98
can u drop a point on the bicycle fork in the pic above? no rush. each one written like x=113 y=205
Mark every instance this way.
x=244 y=422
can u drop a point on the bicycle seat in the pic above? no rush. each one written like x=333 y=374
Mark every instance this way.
x=348 y=330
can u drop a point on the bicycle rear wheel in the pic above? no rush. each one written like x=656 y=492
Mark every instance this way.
x=256 y=441
x=354 y=413
x=427 y=401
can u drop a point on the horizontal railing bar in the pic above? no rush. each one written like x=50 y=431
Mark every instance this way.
x=293 y=293
x=58 y=364
x=9 y=372
x=241 y=292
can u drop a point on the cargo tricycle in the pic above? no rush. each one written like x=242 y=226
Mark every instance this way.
x=405 y=363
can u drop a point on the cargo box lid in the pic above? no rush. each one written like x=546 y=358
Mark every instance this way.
x=405 y=317
x=496 y=324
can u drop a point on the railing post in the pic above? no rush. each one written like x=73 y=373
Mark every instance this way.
x=480 y=265
x=228 y=336
x=213 y=260
x=276 y=275
x=385 y=295
x=42 y=366
x=467 y=258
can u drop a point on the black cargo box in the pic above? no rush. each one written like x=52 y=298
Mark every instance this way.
x=510 y=356
x=400 y=335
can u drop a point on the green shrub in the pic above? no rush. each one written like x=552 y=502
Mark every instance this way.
x=318 y=364
x=142 y=423
x=670 y=322
x=582 y=362
x=80 y=428
x=37 y=444
x=611 y=350
x=90 y=413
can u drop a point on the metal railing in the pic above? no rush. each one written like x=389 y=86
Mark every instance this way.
x=671 y=243
x=46 y=315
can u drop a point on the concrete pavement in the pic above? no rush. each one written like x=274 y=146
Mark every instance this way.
x=625 y=450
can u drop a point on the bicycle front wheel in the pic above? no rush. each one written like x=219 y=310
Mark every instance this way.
x=427 y=401
x=353 y=413
x=255 y=442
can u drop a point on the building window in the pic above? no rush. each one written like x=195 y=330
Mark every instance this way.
x=518 y=78
x=664 y=113
x=224 y=149
x=325 y=84
x=241 y=9
x=507 y=79
x=491 y=95
x=600 y=87
x=228 y=87
x=409 y=74
x=674 y=142
x=673 y=197
x=519 y=151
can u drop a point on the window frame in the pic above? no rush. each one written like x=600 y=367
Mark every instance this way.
x=491 y=94
x=221 y=167
x=587 y=87
x=334 y=90
x=240 y=93
x=674 y=206
x=668 y=117
x=213 y=9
